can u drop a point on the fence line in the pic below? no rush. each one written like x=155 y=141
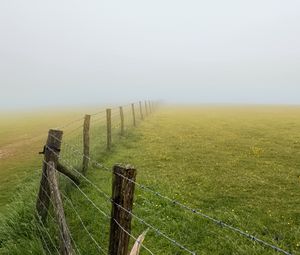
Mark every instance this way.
x=108 y=198
x=216 y=221
x=197 y=212
x=96 y=207
x=135 y=113
x=97 y=113
x=51 y=151
x=106 y=215
x=70 y=123
x=194 y=211
x=97 y=244
x=172 y=201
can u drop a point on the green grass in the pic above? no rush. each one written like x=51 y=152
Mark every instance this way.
x=238 y=164
x=22 y=136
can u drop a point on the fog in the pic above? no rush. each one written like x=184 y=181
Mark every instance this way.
x=68 y=52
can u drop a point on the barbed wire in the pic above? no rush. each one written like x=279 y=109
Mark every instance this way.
x=108 y=217
x=41 y=222
x=132 y=236
x=43 y=240
x=80 y=219
x=98 y=119
x=51 y=240
x=94 y=205
x=128 y=105
x=197 y=212
x=70 y=123
x=114 y=108
x=68 y=132
x=108 y=198
x=61 y=234
x=124 y=230
x=84 y=226
x=52 y=218
x=97 y=113
x=115 y=114
x=73 y=122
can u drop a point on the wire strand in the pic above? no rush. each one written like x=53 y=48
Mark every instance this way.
x=85 y=228
x=94 y=205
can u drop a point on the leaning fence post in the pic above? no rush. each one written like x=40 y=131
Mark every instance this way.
x=108 y=126
x=141 y=110
x=86 y=143
x=146 y=108
x=65 y=237
x=122 y=120
x=51 y=153
x=122 y=203
x=133 y=115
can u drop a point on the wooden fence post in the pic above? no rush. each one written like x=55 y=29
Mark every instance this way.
x=86 y=143
x=141 y=110
x=122 y=120
x=65 y=237
x=146 y=108
x=133 y=115
x=51 y=152
x=108 y=125
x=149 y=105
x=122 y=203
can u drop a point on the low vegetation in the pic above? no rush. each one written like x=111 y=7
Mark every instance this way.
x=237 y=164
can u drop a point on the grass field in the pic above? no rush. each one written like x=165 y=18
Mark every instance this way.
x=22 y=136
x=237 y=164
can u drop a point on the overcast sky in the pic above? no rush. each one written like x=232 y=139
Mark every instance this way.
x=70 y=52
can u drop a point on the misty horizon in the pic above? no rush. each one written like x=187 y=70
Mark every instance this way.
x=105 y=53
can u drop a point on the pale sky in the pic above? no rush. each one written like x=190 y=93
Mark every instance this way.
x=71 y=52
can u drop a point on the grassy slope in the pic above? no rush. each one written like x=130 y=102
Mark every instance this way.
x=240 y=165
x=22 y=136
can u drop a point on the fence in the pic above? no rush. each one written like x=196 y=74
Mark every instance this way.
x=72 y=151
x=98 y=130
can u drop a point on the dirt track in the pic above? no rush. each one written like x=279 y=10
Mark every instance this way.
x=9 y=150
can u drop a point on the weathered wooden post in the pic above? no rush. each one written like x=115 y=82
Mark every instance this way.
x=146 y=108
x=51 y=152
x=65 y=237
x=122 y=120
x=133 y=115
x=141 y=110
x=149 y=105
x=86 y=143
x=108 y=126
x=64 y=170
x=122 y=203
